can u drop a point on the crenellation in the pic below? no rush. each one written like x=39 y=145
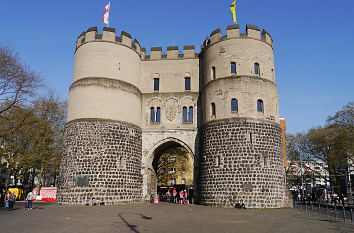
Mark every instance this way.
x=91 y=34
x=266 y=37
x=215 y=36
x=233 y=31
x=172 y=52
x=137 y=46
x=253 y=32
x=189 y=51
x=109 y=34
x=126 y=38
x=155 y=53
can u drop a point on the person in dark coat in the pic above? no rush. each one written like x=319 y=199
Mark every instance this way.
x=12 y=199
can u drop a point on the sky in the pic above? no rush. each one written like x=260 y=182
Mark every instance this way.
x=313 y=41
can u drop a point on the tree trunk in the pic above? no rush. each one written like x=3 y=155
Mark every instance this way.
x=40 y=179
x=7 y=177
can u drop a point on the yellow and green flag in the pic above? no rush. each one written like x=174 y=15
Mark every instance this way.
x=233 y=11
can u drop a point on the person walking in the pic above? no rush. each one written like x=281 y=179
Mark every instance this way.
x=29 y=200
x=174 y=193
x=181 y=197
x=12 y=199
x=2 y=197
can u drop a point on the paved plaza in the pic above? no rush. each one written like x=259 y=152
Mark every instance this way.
x=163 y=217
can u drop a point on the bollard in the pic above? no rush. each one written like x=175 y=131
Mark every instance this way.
x=335 y=212
x=319 y=207
x=344 y=214
x=312 y=206
x=351 y=215
x=306 y=206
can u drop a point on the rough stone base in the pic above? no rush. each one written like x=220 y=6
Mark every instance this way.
x=110 y=154
x=241 y=159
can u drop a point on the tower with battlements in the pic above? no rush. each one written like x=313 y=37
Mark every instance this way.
x=221 y=105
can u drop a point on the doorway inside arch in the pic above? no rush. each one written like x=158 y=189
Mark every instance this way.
x=172 y=169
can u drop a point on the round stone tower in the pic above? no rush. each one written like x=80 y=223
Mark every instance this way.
x=102 y=142
x=241 y=138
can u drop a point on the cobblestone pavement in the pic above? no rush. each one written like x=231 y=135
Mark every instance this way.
x=163 y=217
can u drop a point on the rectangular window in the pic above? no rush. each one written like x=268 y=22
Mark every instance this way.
x=190 y=114
x=233 y=67
x=172 y=160
x=156 y=84
x=172 y=170
x=213 y=72
x=152 y=115
x=158 y=113
x=173 y=181
x=187 y=83
x=213 y=109
x=183 y=181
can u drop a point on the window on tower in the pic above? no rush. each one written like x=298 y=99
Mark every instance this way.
x=234 y=105
x=260 y=107
x=213 y=72
x=190 y=114
x=233 y=67
x=213 y=112
x=152 y=114
x=184 y=114
x=158 y=113
x=256 y=69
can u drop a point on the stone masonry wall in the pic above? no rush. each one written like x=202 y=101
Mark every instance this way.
x=109 y=152
x=241 y=159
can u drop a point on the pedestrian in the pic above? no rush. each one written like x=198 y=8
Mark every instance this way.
x=93 y=202
x=29 y=199
x=240 y=205
x=174 y=193
x=102 y=201
x=2 y=197
x=181 y=197
x=12 y=199
x=186 y=197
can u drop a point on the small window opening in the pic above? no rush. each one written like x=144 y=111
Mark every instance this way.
x=234 y=105
x=184 y=114
x=187 y=83
x=233 y=67
x=260 y=107
x=256 y=69
x=152 y=114
x=156 y=84
x=190 y=114
x=158 y=114
x=213 y=112
x=213 y=72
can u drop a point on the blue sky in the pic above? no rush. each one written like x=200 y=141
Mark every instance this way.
x=313 y=41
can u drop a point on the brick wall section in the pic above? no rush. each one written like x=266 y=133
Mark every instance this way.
x=94 y=148
x=251 y=170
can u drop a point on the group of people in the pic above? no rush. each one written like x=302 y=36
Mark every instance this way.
x=94 y=202
x=8 y=199
x=182 y=198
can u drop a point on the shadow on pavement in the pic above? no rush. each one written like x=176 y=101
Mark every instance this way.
x=132 y=227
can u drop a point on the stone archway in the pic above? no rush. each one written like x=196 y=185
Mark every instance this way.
x=149 y=172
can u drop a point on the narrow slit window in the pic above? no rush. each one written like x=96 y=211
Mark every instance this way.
x=256 y=69
x=156 y=84
x=213 y=72
x=184 y=114
x=234 y=105
x=152 y=115
x=190 y=114
x=213 y=112
x=158 y=114
x=233 y=67
x=260 y=107
x=187 y=83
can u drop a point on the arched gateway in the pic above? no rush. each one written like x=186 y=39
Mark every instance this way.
x=150 y=172
x=127 y=110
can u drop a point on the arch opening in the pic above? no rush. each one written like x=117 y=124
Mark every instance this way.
x=171 y=167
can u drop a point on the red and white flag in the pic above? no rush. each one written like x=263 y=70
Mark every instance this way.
x=106 y=13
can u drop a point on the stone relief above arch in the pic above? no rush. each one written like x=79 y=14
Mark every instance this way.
x=171 y=106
